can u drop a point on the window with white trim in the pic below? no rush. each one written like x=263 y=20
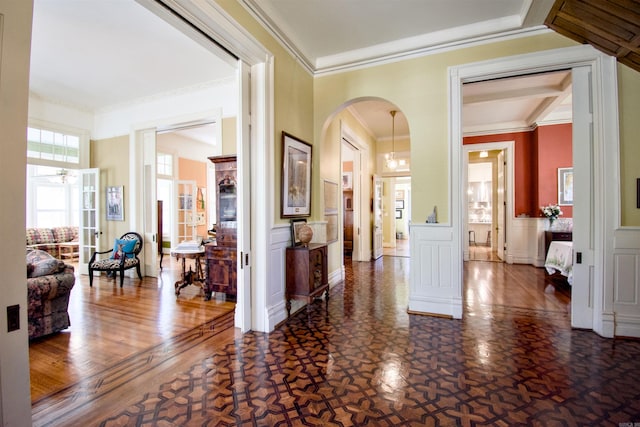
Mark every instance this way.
x=53 y=146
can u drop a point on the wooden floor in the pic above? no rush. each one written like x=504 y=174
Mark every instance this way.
x=127 y=343
x=111 y=324
x=401 y=249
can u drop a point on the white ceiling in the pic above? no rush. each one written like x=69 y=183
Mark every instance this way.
x=97 y=54
x=332 y=34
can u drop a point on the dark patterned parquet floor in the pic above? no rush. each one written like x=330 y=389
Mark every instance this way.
x=362 y=360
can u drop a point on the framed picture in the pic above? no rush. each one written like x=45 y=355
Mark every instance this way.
x=398 y=214
x=347 y=180
x=332 y=227
x=115 y=206
x=399 y=204
x=565 y=186
x=399 y=194
x=295 y=228
x=330 y=197
x=331 y=210
x=296 y=177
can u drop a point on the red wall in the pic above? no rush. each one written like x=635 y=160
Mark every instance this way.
x=524 y=168
x=554 y=151
x=537 y=156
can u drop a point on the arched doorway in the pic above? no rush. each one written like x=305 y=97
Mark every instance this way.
x=357 y=139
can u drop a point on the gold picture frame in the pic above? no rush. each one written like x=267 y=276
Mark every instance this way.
x=296 y=177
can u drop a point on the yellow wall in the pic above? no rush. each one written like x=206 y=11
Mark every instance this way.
x=419 y=88
x=111 y=156
x=328 y=154
x=229 y=136
x=629 y=102
x=293 y=99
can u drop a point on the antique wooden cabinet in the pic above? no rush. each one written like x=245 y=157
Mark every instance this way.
x=221 y=255
x=306 y=273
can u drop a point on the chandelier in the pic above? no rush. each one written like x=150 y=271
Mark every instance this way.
x=392 y=163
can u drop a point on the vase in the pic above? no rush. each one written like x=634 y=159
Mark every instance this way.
x=551 y=221
x=305 y=234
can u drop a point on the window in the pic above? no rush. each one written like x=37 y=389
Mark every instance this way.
x=165 y=165
x=52 y=198
x=53 y=146
x=165 y=193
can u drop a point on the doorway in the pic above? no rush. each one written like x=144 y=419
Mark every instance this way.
x=593 y=96
x=351 y=189
x=486 y=213
x=397 y=216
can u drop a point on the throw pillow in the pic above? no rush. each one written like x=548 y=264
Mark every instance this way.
x=120 y=247
x=47 y=267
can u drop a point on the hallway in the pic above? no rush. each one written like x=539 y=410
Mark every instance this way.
x=362 y=360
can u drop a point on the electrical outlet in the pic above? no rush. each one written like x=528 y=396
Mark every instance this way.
x=13 y=318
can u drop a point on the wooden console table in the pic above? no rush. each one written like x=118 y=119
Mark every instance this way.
x=306 y=273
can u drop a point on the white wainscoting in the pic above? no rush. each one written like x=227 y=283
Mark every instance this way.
x=276 y=309
x=626 y=282
x=435 y=281
x=526 y=242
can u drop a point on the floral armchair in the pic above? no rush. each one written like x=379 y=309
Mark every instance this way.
x=49 y=284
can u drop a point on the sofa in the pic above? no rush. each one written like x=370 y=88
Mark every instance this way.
x=58 y=241
x=49 y=284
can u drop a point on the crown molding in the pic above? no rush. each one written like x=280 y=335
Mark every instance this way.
x=514 y=128
x=361 y=121
x=429 y=50
x=261 y=15
x=412 y=47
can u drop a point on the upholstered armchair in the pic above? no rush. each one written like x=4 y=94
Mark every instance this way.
x=124 y=256
x=49 y=284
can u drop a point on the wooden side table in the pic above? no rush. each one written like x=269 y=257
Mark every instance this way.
x=191 y=277
x=306 y=273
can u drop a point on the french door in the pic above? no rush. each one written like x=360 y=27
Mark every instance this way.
x=89 y=225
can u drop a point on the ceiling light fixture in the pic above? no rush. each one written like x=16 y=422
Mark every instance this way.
x=484 y=154
x=62 y=176
x=392 y=163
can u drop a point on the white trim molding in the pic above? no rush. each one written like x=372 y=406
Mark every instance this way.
x=605 y=175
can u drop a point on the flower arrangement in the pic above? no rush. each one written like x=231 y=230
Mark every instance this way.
x=551 y=211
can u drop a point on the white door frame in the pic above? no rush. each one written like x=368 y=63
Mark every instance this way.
x=211 y=25
x=605 y=131
x=361 y=226
x=508 y=147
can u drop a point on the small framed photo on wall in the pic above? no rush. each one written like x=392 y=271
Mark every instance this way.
x=115 y=204
x=565 y=186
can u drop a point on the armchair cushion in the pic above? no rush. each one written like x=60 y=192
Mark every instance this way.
x=122 y=247
x=113 y=264
x=45 y=267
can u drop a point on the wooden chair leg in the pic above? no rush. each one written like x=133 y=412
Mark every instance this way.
x=139 y=273
x=121 y=277
x=90 y=278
